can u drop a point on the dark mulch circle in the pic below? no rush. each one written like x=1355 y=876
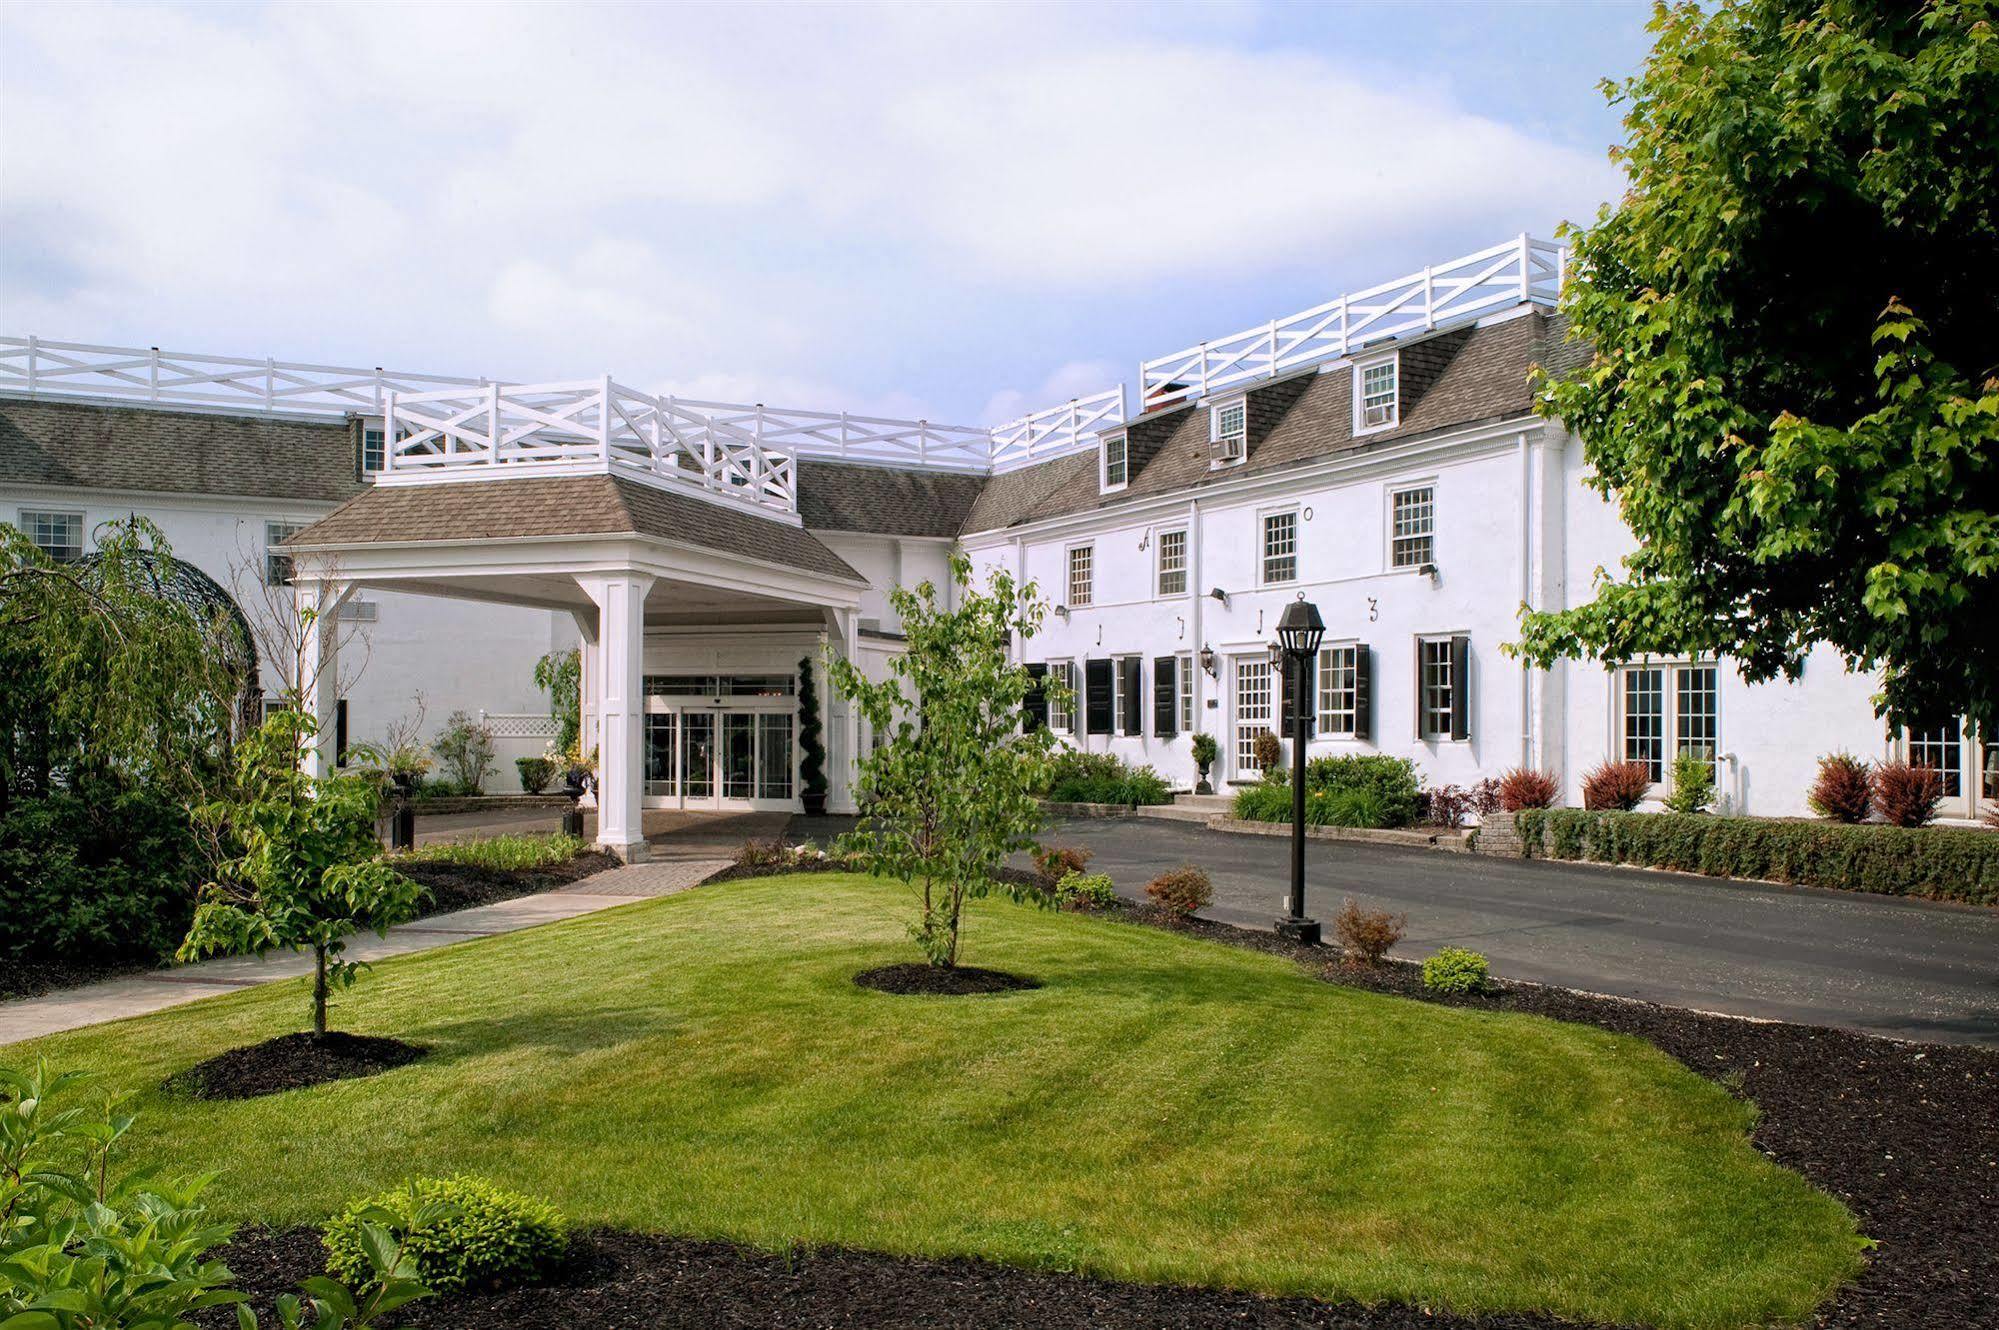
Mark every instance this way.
x=954 y=981
x=461 y=886
x=615 y=1280
x=292 y=1062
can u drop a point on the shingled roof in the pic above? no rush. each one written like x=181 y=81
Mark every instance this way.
x=567 y=506
x=1461 y=378
x=176 y=452
x=838 y=496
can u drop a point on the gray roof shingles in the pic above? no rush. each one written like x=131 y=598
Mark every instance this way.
x=839 y=496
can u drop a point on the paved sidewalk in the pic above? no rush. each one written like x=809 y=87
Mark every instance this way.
x=135 y=995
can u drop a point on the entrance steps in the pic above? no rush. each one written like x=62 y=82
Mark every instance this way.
x=1189 y=807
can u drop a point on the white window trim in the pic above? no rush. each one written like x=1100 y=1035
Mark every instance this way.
x=271 y=551
x=1159 y=571
x=1069 y=574
x=1360 y=368
x=1297 y=544
x=1321 y=727
x=1389 y=494
x=1183 y=690
x=379 y=426
x=1104 y=485
x=1123 y=726
x=23 y=519
x=1066 y=669
x=1669 y=714
x=1442 y=736
x=1215 y=435
x=1970 y=769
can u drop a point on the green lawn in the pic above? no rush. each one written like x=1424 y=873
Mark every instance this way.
x=1164 y=1109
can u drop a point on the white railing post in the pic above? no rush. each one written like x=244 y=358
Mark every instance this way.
x=34 y=351
x=1270 y=369
x=153 y=374
x=270 y=382
x=922 y=441
x=493 y=422
x=844 y=432
x=388 y=430
x=1204 y=369
x=378 y=388
x=604 y=421
x=1526 y=268
x=1429 y=297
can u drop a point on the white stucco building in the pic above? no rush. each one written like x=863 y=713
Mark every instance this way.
x=1378 y=453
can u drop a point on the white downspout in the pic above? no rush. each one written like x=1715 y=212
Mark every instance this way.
x=1526 y=597
x=1195 y=630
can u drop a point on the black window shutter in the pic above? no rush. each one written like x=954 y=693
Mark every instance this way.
x=340 y=733
x=1420 y=717
x=1166 y=696
x=1363 y=692
x=1461 y=687
x=1097 y=696
x=1134 y=694
x=1034 y=706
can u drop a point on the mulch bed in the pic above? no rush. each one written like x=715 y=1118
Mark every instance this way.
x=292 y=1062
x=915 y=977
x=616 y=1280
x=461 y=886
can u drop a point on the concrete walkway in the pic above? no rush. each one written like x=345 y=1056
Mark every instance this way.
x=675 y=869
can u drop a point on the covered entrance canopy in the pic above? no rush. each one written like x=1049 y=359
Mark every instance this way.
x=693 y=609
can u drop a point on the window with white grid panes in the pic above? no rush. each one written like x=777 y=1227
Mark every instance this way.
x=1412 y=519
x=1082 y=574
x=1280 y=547
x=1173 y=563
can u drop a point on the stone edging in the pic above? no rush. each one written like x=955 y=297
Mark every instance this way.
x=497 y=803
x=1457 y=842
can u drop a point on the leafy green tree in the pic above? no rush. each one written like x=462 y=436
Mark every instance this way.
x=308 y=873
x=1794 y=393
x=560 y=675
x=951 y=793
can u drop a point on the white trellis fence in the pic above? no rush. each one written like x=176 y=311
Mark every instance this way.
x=1442 y=296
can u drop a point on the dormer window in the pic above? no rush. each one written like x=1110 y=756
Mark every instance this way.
x=1377 y=402
x=1116 y=463
x=1228 y=432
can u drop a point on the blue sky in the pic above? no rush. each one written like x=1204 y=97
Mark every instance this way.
x=959 y=211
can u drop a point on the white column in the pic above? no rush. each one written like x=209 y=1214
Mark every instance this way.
x=620 y=599
x=589 y=685
x=318 y=604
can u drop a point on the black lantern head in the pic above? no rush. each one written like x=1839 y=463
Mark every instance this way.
x=1300 y=628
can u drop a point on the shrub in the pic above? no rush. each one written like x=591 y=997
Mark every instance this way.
x=507 y=853
x=1104 y=778
x=98 y=875
x=1085 y=891
x=1523 y=787
x=1619 y=785
x=462 y=1233
x=1182 y=891
x=1907 y=795
x=1206 y=750
x=762 y=853
x=1392 y=781
x=1844 y=790
x=1058 y=861
x=1938 y=863
x=465 y=749
x=1485 y=797
x=1352 y=807
x=1368 y=934
x=1269 y=753
x=1445 y=806
x=1456 y=970
x=1693 y=782
x=536 y=773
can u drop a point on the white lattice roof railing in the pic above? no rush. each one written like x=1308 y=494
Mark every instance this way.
x=1443 y=296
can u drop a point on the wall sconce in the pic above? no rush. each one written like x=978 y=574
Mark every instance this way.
x=1063 y=612
x=1276 y=655
x=1209 y=663
x=1221 y=595
x=1429 y=570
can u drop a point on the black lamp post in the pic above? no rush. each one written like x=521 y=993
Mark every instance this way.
x=1299 y=632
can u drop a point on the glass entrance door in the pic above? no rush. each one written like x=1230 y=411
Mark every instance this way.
x=1252 y=712
x=712 y=758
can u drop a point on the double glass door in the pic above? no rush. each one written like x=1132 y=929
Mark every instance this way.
x=717 y=757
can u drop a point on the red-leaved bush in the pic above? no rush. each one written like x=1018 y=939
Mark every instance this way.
x=1181 y=890
x=1619 y=785
x=1368 y=934
x=1058 y=861
x=1523 y=787
x=1907 y=795
x=1844 y=790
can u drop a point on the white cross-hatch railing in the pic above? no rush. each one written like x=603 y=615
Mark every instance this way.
x=440 y=427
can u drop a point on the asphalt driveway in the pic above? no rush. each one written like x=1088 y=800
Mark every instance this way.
x=1910 y=969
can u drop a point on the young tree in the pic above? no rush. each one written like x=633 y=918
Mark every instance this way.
x=951 y=793
x=560 y=675
x=1794 y=394
x=308 y=869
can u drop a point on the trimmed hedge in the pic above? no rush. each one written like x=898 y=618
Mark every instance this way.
x=1103 y=778
x=1936 y=863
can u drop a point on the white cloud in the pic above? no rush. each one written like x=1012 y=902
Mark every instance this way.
x=798 y=203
